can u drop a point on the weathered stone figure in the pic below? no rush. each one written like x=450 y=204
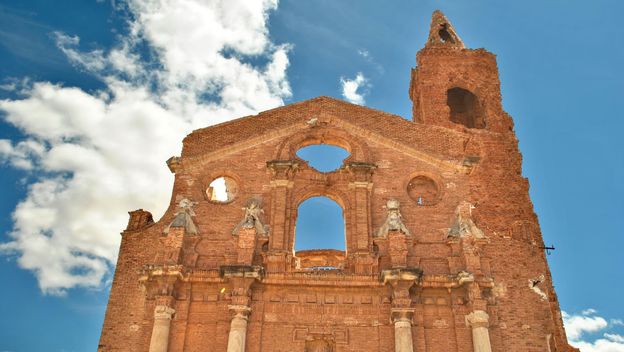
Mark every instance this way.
x=462 y=224
x=251 y=220
x=394 y=220
x=183 y=217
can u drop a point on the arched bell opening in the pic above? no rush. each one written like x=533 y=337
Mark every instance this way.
x=465 y=108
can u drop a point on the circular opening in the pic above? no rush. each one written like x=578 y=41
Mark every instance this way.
x=423 y=190
x=323 y=157
x=222 y=190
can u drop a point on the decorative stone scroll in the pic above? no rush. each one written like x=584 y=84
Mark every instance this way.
x=463 y=225
x=394 y=220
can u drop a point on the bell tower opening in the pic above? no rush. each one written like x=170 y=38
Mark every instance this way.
x=445 y=35
x=320 y=234
x=465 y=108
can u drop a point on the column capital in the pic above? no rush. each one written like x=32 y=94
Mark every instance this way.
x=401 y=280
x=162 y=312
x=239 y=311
x=402 y=315
x=478 y=319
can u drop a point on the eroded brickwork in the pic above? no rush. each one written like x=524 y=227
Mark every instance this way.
x=443 y=248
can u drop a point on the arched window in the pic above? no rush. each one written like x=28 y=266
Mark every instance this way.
x=465 y=108
x=320 y=225
x=320 y=235
x=323 y=157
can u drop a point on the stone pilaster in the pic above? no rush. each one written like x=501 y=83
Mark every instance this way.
x=362 y=185
x=238 y=328
x=478 y=320
x=283 y=172
x=163 y=313
x=246 y=246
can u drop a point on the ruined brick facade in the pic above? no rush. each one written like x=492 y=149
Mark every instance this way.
x=443 y=248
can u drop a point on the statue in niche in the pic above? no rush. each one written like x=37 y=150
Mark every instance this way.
x=394 y=220
x=251 y=220
x=183 y=217
x=462 y=224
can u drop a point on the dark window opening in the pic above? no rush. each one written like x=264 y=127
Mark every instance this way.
x=465 y=108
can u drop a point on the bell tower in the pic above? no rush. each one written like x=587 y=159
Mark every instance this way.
x=453 y=86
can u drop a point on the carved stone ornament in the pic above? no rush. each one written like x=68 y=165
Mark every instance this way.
x=252 y=218
x=462 y=224
x=183 y=217
x=394 y=220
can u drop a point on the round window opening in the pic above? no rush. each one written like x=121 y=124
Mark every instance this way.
x=222 y=190
x=423 y=190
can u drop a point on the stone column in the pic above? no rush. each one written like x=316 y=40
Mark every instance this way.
x=401 y=280
x=238 y=328
x=160 y=332
x=478 y=320
x=402 y=318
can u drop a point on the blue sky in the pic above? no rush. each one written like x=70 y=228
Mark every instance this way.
x=86 y=87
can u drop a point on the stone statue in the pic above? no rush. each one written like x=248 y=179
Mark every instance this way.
x=462 y=224
x=183 y=217
x=394 y=220
x=251 y=220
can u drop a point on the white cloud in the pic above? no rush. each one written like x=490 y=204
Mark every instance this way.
x=614 y=337
x=576 y=325
x=580 y=325
x=363 y=53
x=97 y=155
x=354 y=90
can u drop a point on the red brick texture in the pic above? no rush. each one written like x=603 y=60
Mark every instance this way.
x=294 y=306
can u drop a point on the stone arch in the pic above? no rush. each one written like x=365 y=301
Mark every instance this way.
x=358 y=151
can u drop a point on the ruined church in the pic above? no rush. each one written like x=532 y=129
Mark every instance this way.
x=443 y=251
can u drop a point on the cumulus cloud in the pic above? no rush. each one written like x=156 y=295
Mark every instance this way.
x=579 y=326
x=355 y=89
x=96 y=155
